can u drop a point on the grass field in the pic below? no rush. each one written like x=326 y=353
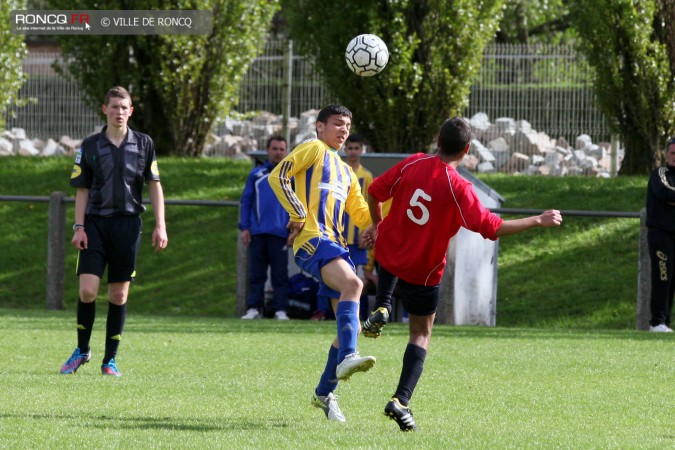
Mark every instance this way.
x=214 y=383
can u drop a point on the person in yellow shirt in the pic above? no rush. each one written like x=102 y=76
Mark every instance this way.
x=325 y=188
x=353 y=149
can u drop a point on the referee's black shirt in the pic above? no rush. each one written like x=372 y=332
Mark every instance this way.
x=115 y=176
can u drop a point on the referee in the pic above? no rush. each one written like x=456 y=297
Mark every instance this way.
x=109 y=172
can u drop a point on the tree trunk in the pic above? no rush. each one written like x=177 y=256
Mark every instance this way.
x=640 y=157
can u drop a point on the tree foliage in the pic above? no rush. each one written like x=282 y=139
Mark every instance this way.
x=627 y=44
x=535 y=21
x=179 y=84
x=12 y=53
x=666 y=26
x=436 y=48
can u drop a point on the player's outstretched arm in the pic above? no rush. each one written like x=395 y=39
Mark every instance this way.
x=550 y=218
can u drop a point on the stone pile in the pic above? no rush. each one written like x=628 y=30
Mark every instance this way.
x=513 y=146
x=15 y=142
x=506 y=145
x=235 y=137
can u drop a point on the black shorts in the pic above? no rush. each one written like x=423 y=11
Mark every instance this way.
x=418 y=300
x=114 y=242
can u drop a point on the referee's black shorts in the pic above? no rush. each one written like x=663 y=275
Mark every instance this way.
x=114 y=242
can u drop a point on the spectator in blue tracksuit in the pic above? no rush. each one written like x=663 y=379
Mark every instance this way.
x=263 y=229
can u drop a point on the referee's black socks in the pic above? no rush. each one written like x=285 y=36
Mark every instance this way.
x=114 y=326
x=86 y=313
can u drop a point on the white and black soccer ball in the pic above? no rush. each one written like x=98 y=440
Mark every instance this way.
x=366 y=55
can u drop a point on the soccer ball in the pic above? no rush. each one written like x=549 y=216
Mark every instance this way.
x=366 y=55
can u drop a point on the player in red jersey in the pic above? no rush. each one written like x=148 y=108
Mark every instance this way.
x=430 y=202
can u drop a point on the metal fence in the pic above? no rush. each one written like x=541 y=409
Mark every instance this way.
x=548 y=86
x=57 y=229
x=55 y=107
x=262 y=88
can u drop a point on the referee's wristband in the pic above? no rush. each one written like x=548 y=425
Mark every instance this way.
x=77 y=225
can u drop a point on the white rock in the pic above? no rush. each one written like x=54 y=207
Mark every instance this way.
x=596 y=151
x=480 y=121
x=524 y=126
x=470 y=162
x=553 y=158
x=583 y=141
x=52 y=148
x=580 y=156
x=26 y=148
x=589 y=163
x=485 y=167
x=8 y=135
x=562 y=142
x=524 y=143
x=6 y=147
x=69 y=143
x=506 y=125
x=265 y=118
x=499 y=144
x=481 y=151
x=563 y=150
x=519 y=162
x=19 y=133
x=501 y=158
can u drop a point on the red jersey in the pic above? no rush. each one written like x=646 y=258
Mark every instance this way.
x=430 y=202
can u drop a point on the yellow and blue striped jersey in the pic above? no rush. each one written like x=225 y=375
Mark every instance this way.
x=351 y=231
x=325 y=188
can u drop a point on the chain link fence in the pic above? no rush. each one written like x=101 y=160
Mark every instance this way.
x=548 y=86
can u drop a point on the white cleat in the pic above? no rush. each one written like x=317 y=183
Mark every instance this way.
x=329 y=405
x=354 y=363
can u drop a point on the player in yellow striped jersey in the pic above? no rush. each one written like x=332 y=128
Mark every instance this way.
x=324 y=189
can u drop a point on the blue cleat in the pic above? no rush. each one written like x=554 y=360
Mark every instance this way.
x=75 y=361
x=111 y=369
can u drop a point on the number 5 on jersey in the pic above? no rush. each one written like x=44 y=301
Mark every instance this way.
x=416 y=203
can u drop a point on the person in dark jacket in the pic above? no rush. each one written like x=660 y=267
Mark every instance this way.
x=263 y=230
x=661 y=240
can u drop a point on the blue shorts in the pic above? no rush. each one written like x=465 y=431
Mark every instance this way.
x=315 y=254
x=359 y=256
